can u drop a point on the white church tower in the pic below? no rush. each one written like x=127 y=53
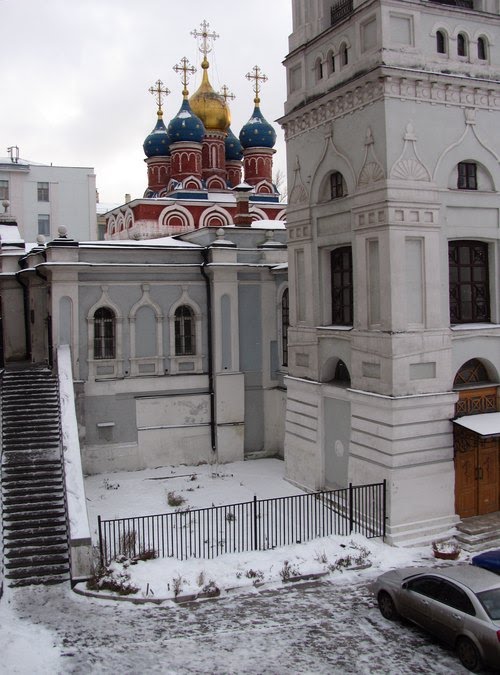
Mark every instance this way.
x=392 y=126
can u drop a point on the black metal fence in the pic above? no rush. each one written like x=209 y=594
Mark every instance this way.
x=249 y=526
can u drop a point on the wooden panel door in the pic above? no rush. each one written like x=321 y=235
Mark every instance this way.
x=466 y=483
x=487 y=483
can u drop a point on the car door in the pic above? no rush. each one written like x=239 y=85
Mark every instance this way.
x=419 y=599
x=451 y=611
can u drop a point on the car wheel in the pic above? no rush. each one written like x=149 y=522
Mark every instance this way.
x=386 y=606
x=468 y=654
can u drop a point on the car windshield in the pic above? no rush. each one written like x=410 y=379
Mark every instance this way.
x=490 y=600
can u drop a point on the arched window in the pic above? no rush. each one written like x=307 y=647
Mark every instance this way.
x=319 y=69
x=285 y=322
x=337 y=185
x=471 y=372
x=330 y=60
x=469 y=282
x=184 y=331
x=461 y=45
x=342 y=373
x=344 y=57
x=342 y=289
x=481 y=49
x=104 y=334
x=440 y=42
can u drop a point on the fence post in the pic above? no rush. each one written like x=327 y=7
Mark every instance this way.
x=351 y=509
x=384 y=507
x=101 y=552
x=255 y=530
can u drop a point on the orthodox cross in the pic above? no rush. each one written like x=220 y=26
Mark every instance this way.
x=184 y=67
x=226 y=94
x=159 y=91
x=205 y=38
x=258 y=77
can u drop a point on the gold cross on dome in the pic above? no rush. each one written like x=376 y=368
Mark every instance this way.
x=159 y=91
x=184 y=67
x=204 y=37
x=258 y=77
x=226 y=94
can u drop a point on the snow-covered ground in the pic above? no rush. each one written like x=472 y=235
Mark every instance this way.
x=121 y=495
x=45 y=630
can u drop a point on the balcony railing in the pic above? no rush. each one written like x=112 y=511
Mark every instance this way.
x=468 y=4
x=339 y=11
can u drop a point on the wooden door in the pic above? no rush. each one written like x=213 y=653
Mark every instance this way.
x=487 y=479
x=466 y=483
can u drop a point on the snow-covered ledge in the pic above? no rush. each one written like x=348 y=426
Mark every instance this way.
x=80 y=541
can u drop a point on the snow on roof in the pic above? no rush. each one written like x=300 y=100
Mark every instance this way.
x=160 y=241
x=486 y=424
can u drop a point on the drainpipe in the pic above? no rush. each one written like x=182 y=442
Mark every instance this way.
x=27 y=326
x=211 y=387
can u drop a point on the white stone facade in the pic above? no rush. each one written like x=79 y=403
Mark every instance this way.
x=372 y=99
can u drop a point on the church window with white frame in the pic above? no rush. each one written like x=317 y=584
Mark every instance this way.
x=104 y=334
x=184 y=331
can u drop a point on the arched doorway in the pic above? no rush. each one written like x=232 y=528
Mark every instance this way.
x=476 y=441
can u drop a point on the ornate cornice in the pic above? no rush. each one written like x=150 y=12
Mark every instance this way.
x=433 y=88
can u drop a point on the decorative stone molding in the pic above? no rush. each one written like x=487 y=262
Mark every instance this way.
x=409 y=166
x=414 y=85
x=372 y=170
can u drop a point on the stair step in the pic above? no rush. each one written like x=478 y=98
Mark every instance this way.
x=49 y=548
x=47 y=580
x=34 y=494
x=11 y=510
x=30 y=535
x=28 y=512
x=37 y=561
x=36 y=572
x=27 y=523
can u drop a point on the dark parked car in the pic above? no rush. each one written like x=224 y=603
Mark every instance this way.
x=458 y=604
x=489 y=560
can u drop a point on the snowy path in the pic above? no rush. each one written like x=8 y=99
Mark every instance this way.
x=317 y=628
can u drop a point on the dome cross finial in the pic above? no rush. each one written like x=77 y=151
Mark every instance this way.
x=205 y=38
x=226 y=94
x=258 y=77
x=159 y=91
x=184 y=67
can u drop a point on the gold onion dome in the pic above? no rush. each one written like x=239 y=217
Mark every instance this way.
x=209 y=106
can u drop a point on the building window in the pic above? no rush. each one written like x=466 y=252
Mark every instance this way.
x=467 y=176
x=104 y=334
x=342 y=290
x=342 y=373
x=184 y=331
x=471 y=372
x=336 y=185
x=331 y=63
x=440 y=42
x=44 y=224
x=319 y=70
x=4 y=189
x=481 y=49
x=43 y=192
x=469 y=282
x=285 y=322
x=344 y=57
x=461 y=45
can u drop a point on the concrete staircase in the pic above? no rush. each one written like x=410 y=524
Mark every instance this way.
x=32 y=486
x=480 y=533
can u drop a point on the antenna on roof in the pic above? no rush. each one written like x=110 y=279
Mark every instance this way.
x=14 y=153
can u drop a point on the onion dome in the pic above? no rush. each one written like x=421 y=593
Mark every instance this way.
x=186 y=126
x=157 y=144
x=234 y=149
x=210 y=107
x=257 y=132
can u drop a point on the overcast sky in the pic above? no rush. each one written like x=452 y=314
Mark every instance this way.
x=75 y=76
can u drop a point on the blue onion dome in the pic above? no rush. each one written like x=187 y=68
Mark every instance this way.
x=157 y=144
x=234 y=148
x=186 y=126
x=257 y=132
